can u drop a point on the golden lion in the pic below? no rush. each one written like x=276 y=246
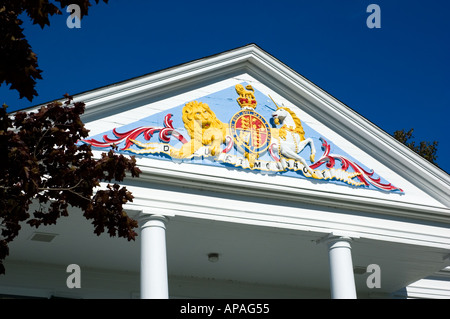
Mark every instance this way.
x=204 y=129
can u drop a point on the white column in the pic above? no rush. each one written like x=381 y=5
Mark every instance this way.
x=154 y=282
x=342 y=279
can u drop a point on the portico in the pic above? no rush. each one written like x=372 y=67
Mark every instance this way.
x=154 y=272
x=278 y=228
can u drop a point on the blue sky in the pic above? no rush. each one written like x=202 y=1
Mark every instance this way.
x=396 y=76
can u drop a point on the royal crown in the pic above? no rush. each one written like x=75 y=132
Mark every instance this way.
x=246 y=98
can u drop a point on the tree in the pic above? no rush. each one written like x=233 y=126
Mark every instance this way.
x=425 y=149
x=43 y=163
x=44 y=169
x=18 y=62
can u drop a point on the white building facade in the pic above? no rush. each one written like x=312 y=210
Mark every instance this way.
x=255 y=184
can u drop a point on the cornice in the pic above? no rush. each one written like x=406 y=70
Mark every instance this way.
x=162 y=190
x=165 y=81
x=153 y=174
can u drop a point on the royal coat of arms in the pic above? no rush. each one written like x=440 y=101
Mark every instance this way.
x=246 y=140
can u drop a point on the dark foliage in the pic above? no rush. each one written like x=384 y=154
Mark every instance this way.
x=43 y=163
x=425 y=149
x=18 y=63
x=44 y=170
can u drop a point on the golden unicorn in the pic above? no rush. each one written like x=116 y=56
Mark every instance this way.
x=291 y=138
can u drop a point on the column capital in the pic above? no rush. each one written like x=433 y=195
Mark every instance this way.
x=144 y=217
x=335 y=237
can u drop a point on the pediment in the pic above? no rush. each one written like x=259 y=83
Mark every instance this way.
x=338 y=151
x=241 y=128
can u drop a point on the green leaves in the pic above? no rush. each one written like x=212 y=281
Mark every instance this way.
x=42 y=162
x=425 y=149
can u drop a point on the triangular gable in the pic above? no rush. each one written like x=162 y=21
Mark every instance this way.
x=247 y=138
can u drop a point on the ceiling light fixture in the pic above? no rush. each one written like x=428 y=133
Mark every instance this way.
x=43 y=237
x=213 y=257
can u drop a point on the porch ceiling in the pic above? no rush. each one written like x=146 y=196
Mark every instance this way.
x=247 y=254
